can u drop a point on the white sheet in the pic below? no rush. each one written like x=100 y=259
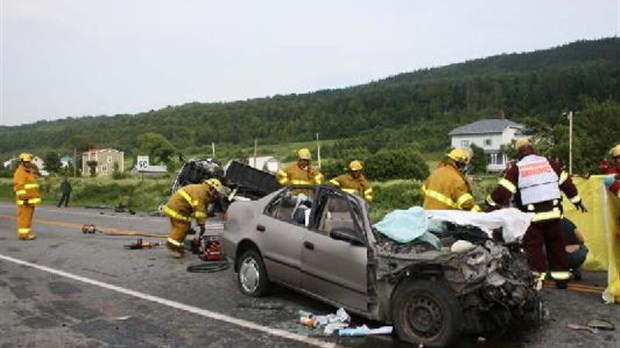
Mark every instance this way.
x=513 y=222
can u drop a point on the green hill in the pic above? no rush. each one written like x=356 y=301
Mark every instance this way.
x=412 y=109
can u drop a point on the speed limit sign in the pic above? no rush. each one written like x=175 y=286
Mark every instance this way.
x=143 y=162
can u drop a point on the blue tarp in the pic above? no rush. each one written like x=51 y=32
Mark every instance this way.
x=404 y=226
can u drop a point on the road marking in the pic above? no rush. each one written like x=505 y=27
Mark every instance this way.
x=119 y=216
x=191 y=309
x=99 y=215
x=107 y=230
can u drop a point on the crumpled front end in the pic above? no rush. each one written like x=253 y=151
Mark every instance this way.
x=492 y=281
x=494 y=285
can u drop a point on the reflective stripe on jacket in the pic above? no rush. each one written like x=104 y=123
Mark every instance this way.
x=189 y=202
x=25 y=186
x=293 y=175
x=447 y=188
x=352 y=185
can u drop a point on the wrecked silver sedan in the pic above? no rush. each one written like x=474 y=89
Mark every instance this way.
x=325 y=247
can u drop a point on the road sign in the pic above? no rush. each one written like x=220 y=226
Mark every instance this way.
x=143 y=162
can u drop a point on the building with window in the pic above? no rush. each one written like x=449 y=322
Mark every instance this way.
x=36 y=161
x=105 y=158
x=488 y=134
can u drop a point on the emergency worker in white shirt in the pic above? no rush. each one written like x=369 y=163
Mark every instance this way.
x=536 y=183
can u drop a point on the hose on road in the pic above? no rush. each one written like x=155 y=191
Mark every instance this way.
x=209 y=267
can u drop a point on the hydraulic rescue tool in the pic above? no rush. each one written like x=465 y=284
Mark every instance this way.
x=208 y=247
x=139 y=244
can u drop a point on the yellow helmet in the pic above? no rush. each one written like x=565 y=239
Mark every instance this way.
x=460 y=155
x=615 y=152
x=215 y=183
x=520 y=142
x=355 y=165
x=304 y=154
x=25 y=157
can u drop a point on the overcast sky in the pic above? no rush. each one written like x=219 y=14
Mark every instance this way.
x=63 y=58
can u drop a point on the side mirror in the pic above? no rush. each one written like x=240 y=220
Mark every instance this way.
x=347 y=235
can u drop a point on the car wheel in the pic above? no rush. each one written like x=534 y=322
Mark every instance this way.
x=426 y=312
x=252 y=276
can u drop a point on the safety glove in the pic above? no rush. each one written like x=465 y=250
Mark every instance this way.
x=582 y=208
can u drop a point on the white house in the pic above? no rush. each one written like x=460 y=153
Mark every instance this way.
x=489 y=135
x=266 y=163
x=36 y=160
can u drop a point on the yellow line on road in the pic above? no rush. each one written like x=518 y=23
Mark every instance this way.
x=107 y=230
x=579 y=287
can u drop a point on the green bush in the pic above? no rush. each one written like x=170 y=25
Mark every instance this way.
x=6 y=189
x=397 y=194
x=332 y=169
x=396 y=164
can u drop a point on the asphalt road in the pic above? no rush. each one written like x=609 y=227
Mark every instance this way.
x=69 y=289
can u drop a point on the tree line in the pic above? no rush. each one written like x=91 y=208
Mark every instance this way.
x=412 y=110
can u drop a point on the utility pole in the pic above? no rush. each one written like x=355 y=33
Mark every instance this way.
x=318 y=150
x=570 y=143
x=255 y=150
x=74 y=162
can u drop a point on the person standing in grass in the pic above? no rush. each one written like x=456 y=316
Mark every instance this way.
x=65 y=189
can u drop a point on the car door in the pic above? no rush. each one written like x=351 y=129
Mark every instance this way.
x=334 y=269
x=280 y=238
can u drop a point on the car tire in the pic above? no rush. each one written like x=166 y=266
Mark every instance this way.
x=252 y=276
x=426 y=313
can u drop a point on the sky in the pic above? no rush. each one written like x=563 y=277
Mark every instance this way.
x=73 y=58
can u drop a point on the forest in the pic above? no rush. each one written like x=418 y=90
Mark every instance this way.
x=413 y=111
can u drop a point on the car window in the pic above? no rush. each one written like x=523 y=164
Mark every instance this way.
x=335 y=214
x=292 y=205
x=358 y=213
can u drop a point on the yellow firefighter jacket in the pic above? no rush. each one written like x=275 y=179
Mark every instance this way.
x=189 y=202
x=293 y=175
x=352 y=185
x=447 y=188
x=25 y=186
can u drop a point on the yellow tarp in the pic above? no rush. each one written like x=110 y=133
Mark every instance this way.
x=600 y=227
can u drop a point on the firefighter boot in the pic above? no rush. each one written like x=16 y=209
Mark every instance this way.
x=27 y=236
x=176 y=251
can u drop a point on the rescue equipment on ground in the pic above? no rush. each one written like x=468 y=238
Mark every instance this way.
x=139 y=244
x=209 y=250
x=92 y=229
x=212 y=250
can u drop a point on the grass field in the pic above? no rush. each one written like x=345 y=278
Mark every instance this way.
x=146 y=194
x=139 y=194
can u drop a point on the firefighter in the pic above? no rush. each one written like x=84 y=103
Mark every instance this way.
x=612 y=181
x=189 y=202
x=447 y=188
x=302 y=172
x=536 y=183
x=354 y=181
x=27 y=195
